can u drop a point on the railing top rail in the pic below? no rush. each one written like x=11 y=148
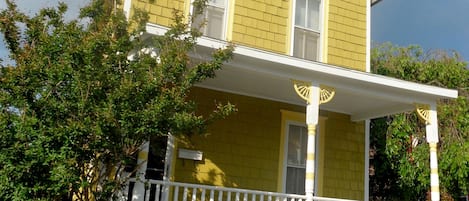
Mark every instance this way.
x=220 y=188
x=237 y=190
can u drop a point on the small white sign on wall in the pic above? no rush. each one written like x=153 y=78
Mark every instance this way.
x=190 y=154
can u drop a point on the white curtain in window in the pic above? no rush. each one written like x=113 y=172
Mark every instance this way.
x=217 y=3
x=300 y=13
x=313 y=15
x=305 y=44
x=214 y=26
x=307 y=14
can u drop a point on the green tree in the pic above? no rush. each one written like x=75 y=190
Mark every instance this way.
x=74 y=108
x=402 y=169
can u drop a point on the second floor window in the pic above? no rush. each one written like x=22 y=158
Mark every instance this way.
x=214 y=18
x=306 y=29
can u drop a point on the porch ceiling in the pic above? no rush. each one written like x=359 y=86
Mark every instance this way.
x=268 y=75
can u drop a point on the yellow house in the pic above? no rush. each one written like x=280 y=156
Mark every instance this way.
x=300 y=80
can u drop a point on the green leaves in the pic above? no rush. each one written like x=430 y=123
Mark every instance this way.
x=438 y=68
x=74 y=104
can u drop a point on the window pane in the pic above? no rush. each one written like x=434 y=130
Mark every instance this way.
x=198 y=22
x=311 y=44
x=300 y=13
x=295 y=181
x=217 y=3
x=294 y=146
x=297 y=141
x=298 y=43
x=214 y=26
x=313 y=15
x=305 y=44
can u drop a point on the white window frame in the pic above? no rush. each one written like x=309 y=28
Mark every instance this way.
x=225 y=18
x=319 y=31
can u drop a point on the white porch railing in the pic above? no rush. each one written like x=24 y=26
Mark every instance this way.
x=174 y=191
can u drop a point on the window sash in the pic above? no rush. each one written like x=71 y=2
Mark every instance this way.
x=297 y=141
x=295 y=183
x=212 y=21
x=307 y=14
x=216 y=3
x=306 y=32
x=306 y=44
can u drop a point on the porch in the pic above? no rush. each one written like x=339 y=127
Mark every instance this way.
x=158 y=190
x=270 y=82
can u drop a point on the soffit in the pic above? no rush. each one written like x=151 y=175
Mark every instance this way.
x=268 y=75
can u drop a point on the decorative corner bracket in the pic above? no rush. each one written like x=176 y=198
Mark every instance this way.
x=303 y=89
x=327 y=93
x=423 y=112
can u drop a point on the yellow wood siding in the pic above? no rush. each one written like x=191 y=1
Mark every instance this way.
x=344 y=158
x=160 y=11
x=240 y=151
x=243 y=150
x=261 y=24
x=346 y=36
x=267 y=25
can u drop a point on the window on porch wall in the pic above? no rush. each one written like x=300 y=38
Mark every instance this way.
x=213 y=19
x=306 y=30
x=296 y=159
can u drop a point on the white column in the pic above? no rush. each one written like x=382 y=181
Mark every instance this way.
x=167 y=166
x=138 y=192
x=126 y=8
x=312 y=114
x=432 y=139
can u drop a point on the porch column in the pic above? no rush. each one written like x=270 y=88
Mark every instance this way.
x=428 y=114
x=314 y=96
x=312 y=114
x=138 y=193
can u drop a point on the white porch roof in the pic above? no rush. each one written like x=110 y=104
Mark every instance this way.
x=269 y=75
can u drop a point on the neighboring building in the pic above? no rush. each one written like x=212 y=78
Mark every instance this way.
x=300 y=80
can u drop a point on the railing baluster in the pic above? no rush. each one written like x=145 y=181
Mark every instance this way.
x=176 y=193
x=157 y=192
x=202 y=197
x=220 y=195
x=162 y=190
x=194 y=194
x=184 y=195
x=147 y=192
x=211 y=195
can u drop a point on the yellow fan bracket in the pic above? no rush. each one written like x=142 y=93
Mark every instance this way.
x=327 y=93
x=303 y=89
x=423 y=112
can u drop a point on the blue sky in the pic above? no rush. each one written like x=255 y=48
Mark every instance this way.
x=432 y=24
x=33 y=6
